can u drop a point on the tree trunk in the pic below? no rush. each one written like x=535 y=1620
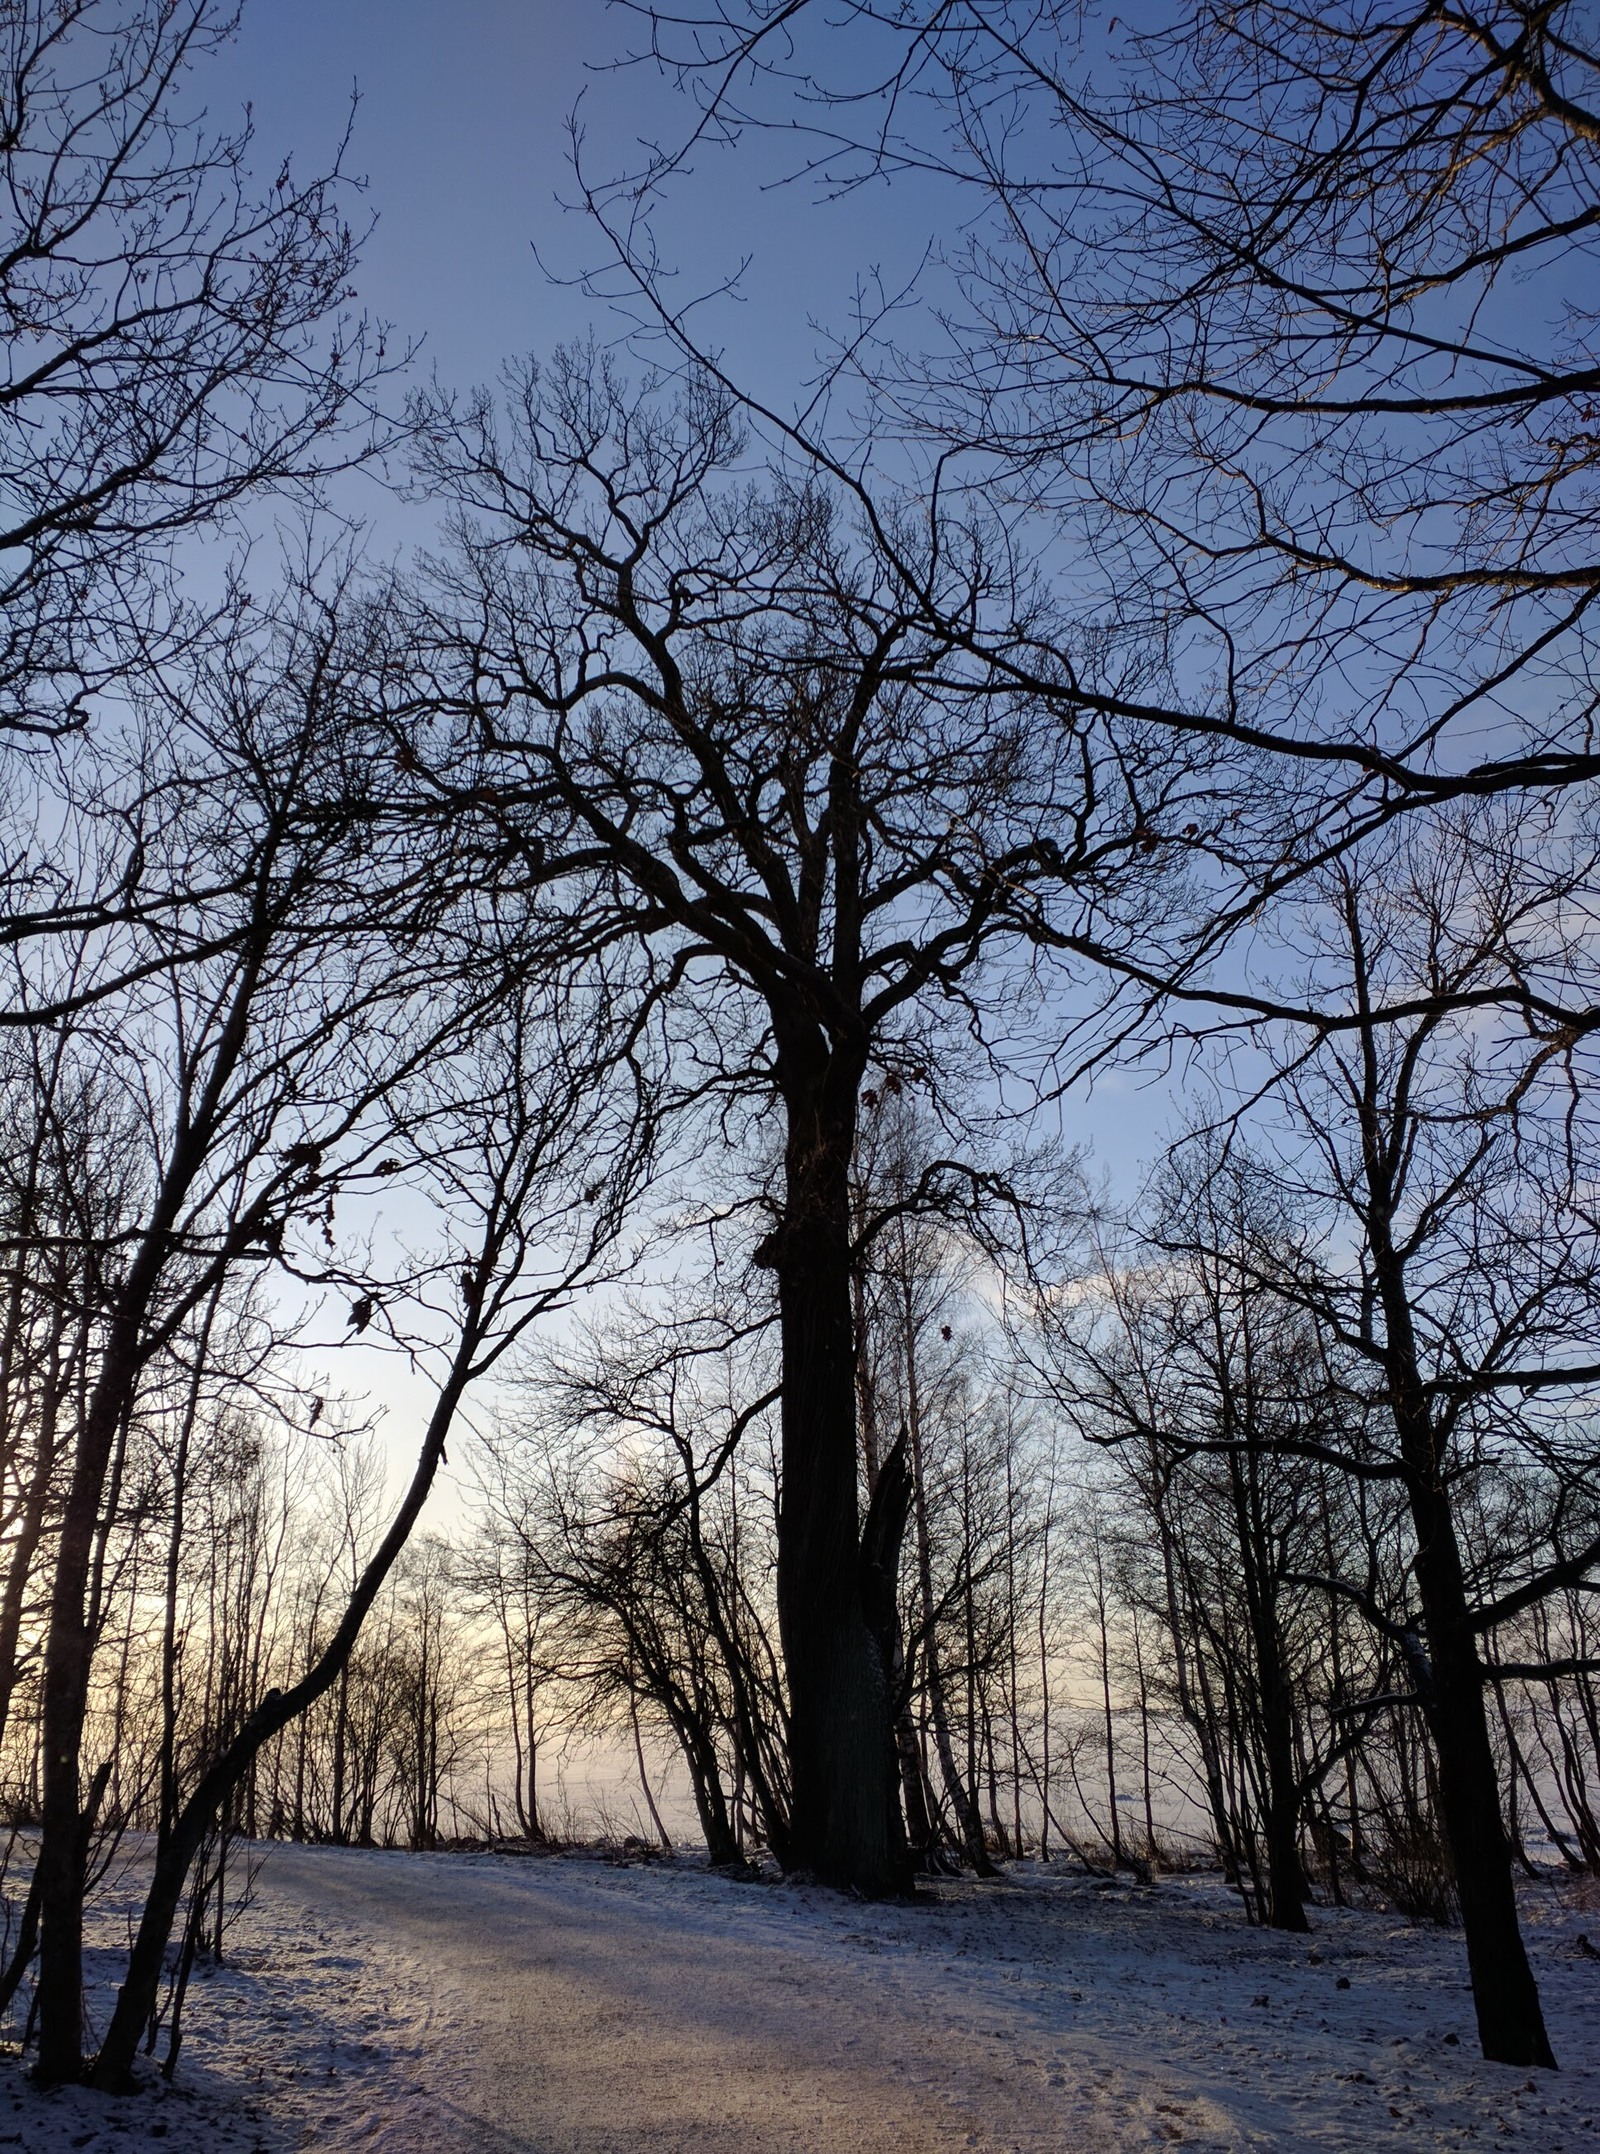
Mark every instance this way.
x=341 y=1731
x=1286 y=1883
x=746 y=1710
x=705 y=1779
x=1118 y=1857
x=1013 y=1712
x=845 y=1822
x=662 y=1834
x=1194 y=1696
x=1511 y=2026
x=914 y=1789
x=62 y=1848
x=27 y=1534
x=137 y=1996
x=967 y=1819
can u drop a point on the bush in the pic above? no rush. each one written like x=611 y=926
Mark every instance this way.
x=1411 y=1865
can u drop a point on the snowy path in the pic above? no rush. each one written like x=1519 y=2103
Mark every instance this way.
x=571 y=2007
x=485 y=2005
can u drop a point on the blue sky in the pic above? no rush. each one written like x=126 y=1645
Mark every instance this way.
x=462 y=133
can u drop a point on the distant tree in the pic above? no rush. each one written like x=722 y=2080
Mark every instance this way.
x=502 y=1578
x=617 y=1478
x=1222 y=1410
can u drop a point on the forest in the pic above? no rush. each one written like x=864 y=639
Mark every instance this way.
x=551 y=1204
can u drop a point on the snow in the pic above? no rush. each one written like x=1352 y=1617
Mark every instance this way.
x=395 y=2002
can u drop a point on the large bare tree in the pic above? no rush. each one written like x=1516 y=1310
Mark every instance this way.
x=741 y=736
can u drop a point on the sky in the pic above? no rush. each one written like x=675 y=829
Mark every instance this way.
x=463 y=132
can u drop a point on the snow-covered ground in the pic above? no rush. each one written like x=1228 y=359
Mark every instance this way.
x=570 y=2006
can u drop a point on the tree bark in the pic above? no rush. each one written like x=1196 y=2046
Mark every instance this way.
x=1511 y=2025
x=846 y=1815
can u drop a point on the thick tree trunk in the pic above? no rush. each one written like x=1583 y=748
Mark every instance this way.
x=845 y=1821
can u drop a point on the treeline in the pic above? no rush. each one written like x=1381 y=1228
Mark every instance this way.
x=1142 y=1620
x=699 y=885
x=1154 y=1600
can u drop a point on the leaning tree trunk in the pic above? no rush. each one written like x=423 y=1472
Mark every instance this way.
x=137 y=1997
x=1511 y=2026
x=63 y=1848
x=846 y=1816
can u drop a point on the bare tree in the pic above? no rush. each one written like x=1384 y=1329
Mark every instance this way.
x=533 y=1135
x=727 y=721
x=1220 y=1408
x=178 y=335
x=503 y=1577
x=240 y=1074
x=1284 y=312
x=618 y=1475
x=1452 y=1154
